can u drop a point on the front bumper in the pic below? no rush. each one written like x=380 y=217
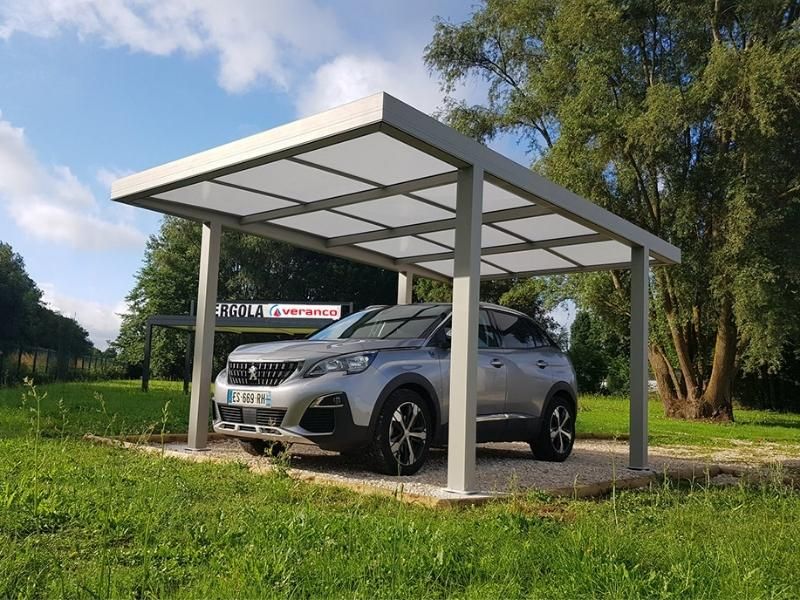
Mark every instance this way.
x=291 y=418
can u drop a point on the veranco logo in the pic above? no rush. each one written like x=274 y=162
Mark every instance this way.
x=278 y=311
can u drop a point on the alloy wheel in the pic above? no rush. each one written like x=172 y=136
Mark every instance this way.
x=560 y=432
x=407 y=433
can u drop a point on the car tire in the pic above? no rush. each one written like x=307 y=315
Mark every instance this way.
x=263 y=448
x=403 y=434
x=557 y=436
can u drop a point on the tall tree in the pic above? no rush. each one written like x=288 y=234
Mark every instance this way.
x=25 y=321
x=251 y=268
x=683 y=117
x=19 y=299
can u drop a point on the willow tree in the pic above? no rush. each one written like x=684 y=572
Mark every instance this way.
x=683 y=117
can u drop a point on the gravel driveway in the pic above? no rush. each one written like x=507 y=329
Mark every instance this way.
x=501 y=468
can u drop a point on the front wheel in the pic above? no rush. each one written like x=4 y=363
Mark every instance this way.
x=403 y=434
x=555 y=440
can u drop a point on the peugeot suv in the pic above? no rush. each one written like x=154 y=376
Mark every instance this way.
x=376 y=384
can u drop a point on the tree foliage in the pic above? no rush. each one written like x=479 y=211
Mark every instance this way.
x=599 y=355
x=25 y=321
x=251 y=268
x=683 y=117
x=534 y=297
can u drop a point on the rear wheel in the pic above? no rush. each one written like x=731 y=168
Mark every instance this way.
x=262 y=447
x=403 y=434
x=555 y=440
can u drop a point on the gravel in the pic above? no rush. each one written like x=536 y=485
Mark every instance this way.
x=501 y=469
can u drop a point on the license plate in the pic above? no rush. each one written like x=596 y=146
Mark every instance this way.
x=248 y=397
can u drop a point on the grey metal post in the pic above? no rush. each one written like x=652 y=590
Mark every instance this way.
x=148 y=344
x=640 y=273
x=463 y=407
x=405 y=287
x=187 y=358
x=204 y=336
x=187 y=363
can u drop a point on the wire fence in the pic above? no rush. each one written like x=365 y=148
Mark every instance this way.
x=46 y=364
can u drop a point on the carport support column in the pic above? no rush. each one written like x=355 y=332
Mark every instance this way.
x=405 y=287
x=463 y=408
x=204 y=336
x=640 y=274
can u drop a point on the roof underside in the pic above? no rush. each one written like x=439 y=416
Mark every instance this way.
x=375 y=181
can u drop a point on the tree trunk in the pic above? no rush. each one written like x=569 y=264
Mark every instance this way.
x=716 y=402
x=669 y=389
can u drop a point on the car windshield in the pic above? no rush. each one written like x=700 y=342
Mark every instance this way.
x=403 y=322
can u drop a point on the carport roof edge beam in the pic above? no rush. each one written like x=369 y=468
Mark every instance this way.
x=375 y=181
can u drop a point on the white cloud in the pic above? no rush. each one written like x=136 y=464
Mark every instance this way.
x=100 y=320
x=107 y=176
x=350 y=77
x=251 y=38
x=51 y=203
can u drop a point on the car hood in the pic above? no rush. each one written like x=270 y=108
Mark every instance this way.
x=310 y=350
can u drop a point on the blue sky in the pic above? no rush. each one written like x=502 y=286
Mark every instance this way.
x=95 y=89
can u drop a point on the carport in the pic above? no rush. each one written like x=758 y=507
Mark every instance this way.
x=379 y=182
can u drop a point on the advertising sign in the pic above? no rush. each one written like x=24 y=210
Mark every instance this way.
x=249 y=310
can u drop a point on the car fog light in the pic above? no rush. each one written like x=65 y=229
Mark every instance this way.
x=337 y=399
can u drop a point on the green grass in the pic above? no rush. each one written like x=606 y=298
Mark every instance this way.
x=84 y=521
x=126 y=409
x=78 y=520
x=99 y=407
x=607 y=416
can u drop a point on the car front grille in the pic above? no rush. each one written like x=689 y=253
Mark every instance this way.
x=318 y=420
x=268 y=374
x=268 y=417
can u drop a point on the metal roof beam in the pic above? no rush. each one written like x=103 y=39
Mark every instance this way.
x=406 y=187
x=496 y=216
x=566 y=270
x=541 y=245
x=297 y=238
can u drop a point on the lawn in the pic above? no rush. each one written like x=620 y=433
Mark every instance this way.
x=102 y=407
x=607 y=416
x=78 y=520
x=121 y=407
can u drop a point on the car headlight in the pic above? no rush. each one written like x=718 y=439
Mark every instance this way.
x=350 y=363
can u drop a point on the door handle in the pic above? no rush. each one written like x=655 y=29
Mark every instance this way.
x=541 y=363
x=496 y=363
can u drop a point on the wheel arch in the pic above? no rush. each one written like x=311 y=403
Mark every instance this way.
x=564 y=390
x=416 y=383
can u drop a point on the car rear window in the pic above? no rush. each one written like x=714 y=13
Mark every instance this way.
x=518 y=332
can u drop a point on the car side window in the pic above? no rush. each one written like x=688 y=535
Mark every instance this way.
x=517 y=332
x=545 y=340
x=487 y=336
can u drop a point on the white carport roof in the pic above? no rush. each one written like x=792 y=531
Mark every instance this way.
x=379 y=182
x=375 y=181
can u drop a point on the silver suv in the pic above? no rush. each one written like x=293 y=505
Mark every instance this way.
x=376 y=384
